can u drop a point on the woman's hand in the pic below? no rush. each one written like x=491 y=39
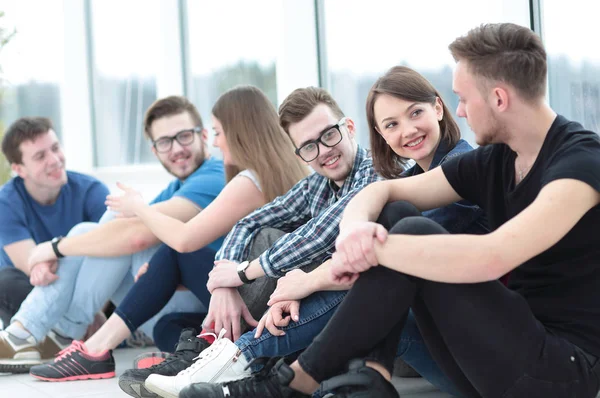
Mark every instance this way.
x=125 y=205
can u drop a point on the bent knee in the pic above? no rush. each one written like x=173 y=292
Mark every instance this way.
x=417 y=226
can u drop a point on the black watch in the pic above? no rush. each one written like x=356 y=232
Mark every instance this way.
x=55 y=242
x=241 y=270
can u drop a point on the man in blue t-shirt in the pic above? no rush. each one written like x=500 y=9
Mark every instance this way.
x=100 y=260
x=42 y=201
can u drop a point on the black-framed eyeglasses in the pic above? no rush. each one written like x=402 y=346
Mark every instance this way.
x=330 y=137
x=184 y=138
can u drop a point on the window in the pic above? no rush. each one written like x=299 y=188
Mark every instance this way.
x=573 y=64
x=231 y=42
x=124 y=55
x=32 y=63
x=364 y=39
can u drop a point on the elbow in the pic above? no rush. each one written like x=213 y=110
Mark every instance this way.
x=138 y=243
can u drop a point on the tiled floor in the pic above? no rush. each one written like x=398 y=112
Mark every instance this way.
x=24 y=386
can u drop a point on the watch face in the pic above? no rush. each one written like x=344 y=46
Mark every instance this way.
x=242 y=266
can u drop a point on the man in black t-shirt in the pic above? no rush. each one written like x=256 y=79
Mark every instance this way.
x=537 y=175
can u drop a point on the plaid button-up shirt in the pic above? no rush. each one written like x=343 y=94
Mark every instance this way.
x=310 y=214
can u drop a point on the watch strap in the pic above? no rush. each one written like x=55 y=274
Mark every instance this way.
x=243 y=277
x=54 y=244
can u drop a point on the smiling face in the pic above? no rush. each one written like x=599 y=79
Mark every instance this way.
x=336 y=162
x=411 y=129
x=181 y=161
x=43 y=162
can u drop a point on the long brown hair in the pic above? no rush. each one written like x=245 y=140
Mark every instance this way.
x=406 y=84
x=256 y=140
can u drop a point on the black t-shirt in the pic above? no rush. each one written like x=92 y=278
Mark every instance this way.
x=562 y=284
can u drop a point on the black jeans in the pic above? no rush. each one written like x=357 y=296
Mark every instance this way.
x=484 y=336
x=14 y=288
x=167 y=269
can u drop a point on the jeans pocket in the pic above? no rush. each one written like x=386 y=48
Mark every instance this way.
x=528 y=387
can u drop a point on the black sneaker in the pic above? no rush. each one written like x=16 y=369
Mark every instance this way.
x=76 y=363
x=188 y=348
x=272 y=381
x=360 y=381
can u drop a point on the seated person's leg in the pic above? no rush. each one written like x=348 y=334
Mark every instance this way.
x=14 y=288
x=151 y=292
x=98 y=280
x=41 y=311
x=169 y=328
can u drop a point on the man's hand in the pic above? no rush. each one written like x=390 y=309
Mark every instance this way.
x=126 y=204
x=355 y=248
x=224 y=274
x=44 y=273
x=41 y=253
x=295 y=285
x=225 y=310
x=279 y=315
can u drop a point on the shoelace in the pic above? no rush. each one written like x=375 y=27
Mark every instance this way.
x=206 y=353
x=75 y=346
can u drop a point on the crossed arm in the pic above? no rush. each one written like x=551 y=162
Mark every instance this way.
x=455 y=258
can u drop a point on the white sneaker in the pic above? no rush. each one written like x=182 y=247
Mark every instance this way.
x=222 y=361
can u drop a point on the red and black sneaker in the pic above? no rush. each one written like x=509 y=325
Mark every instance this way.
x=76 y=363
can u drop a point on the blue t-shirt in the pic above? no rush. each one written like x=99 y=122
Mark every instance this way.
x=21 y=217
x=201 y=187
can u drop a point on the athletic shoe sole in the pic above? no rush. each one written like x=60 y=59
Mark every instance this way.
x=160 y=391
x=17 y=368
x=135 y=388
x=99 y=376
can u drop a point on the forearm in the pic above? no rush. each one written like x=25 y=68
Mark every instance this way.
x=320 y=279
x=168 y=230
x=366 y=205
x=255 y=270
x=444 y=258
x=115 y=238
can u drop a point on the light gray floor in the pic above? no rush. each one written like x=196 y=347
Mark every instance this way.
x=25 y=386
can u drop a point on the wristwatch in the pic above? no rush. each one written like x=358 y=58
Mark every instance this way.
x=241 y=270
x=54 y=242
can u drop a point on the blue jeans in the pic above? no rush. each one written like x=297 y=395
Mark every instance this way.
x=84 y=285
x=315 y=312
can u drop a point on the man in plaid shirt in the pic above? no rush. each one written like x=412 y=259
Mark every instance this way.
x=306 y=218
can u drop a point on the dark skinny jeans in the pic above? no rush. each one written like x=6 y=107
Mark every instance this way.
x=167 y=270
x=483 y=335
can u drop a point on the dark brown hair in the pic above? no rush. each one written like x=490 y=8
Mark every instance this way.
x=505 y=52
x=24 y=129
x=256 y=140
x=406 y=84
x=169 y=106
x=301 y=102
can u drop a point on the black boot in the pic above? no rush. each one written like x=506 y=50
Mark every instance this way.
x=360 y=381
x=271 y=382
